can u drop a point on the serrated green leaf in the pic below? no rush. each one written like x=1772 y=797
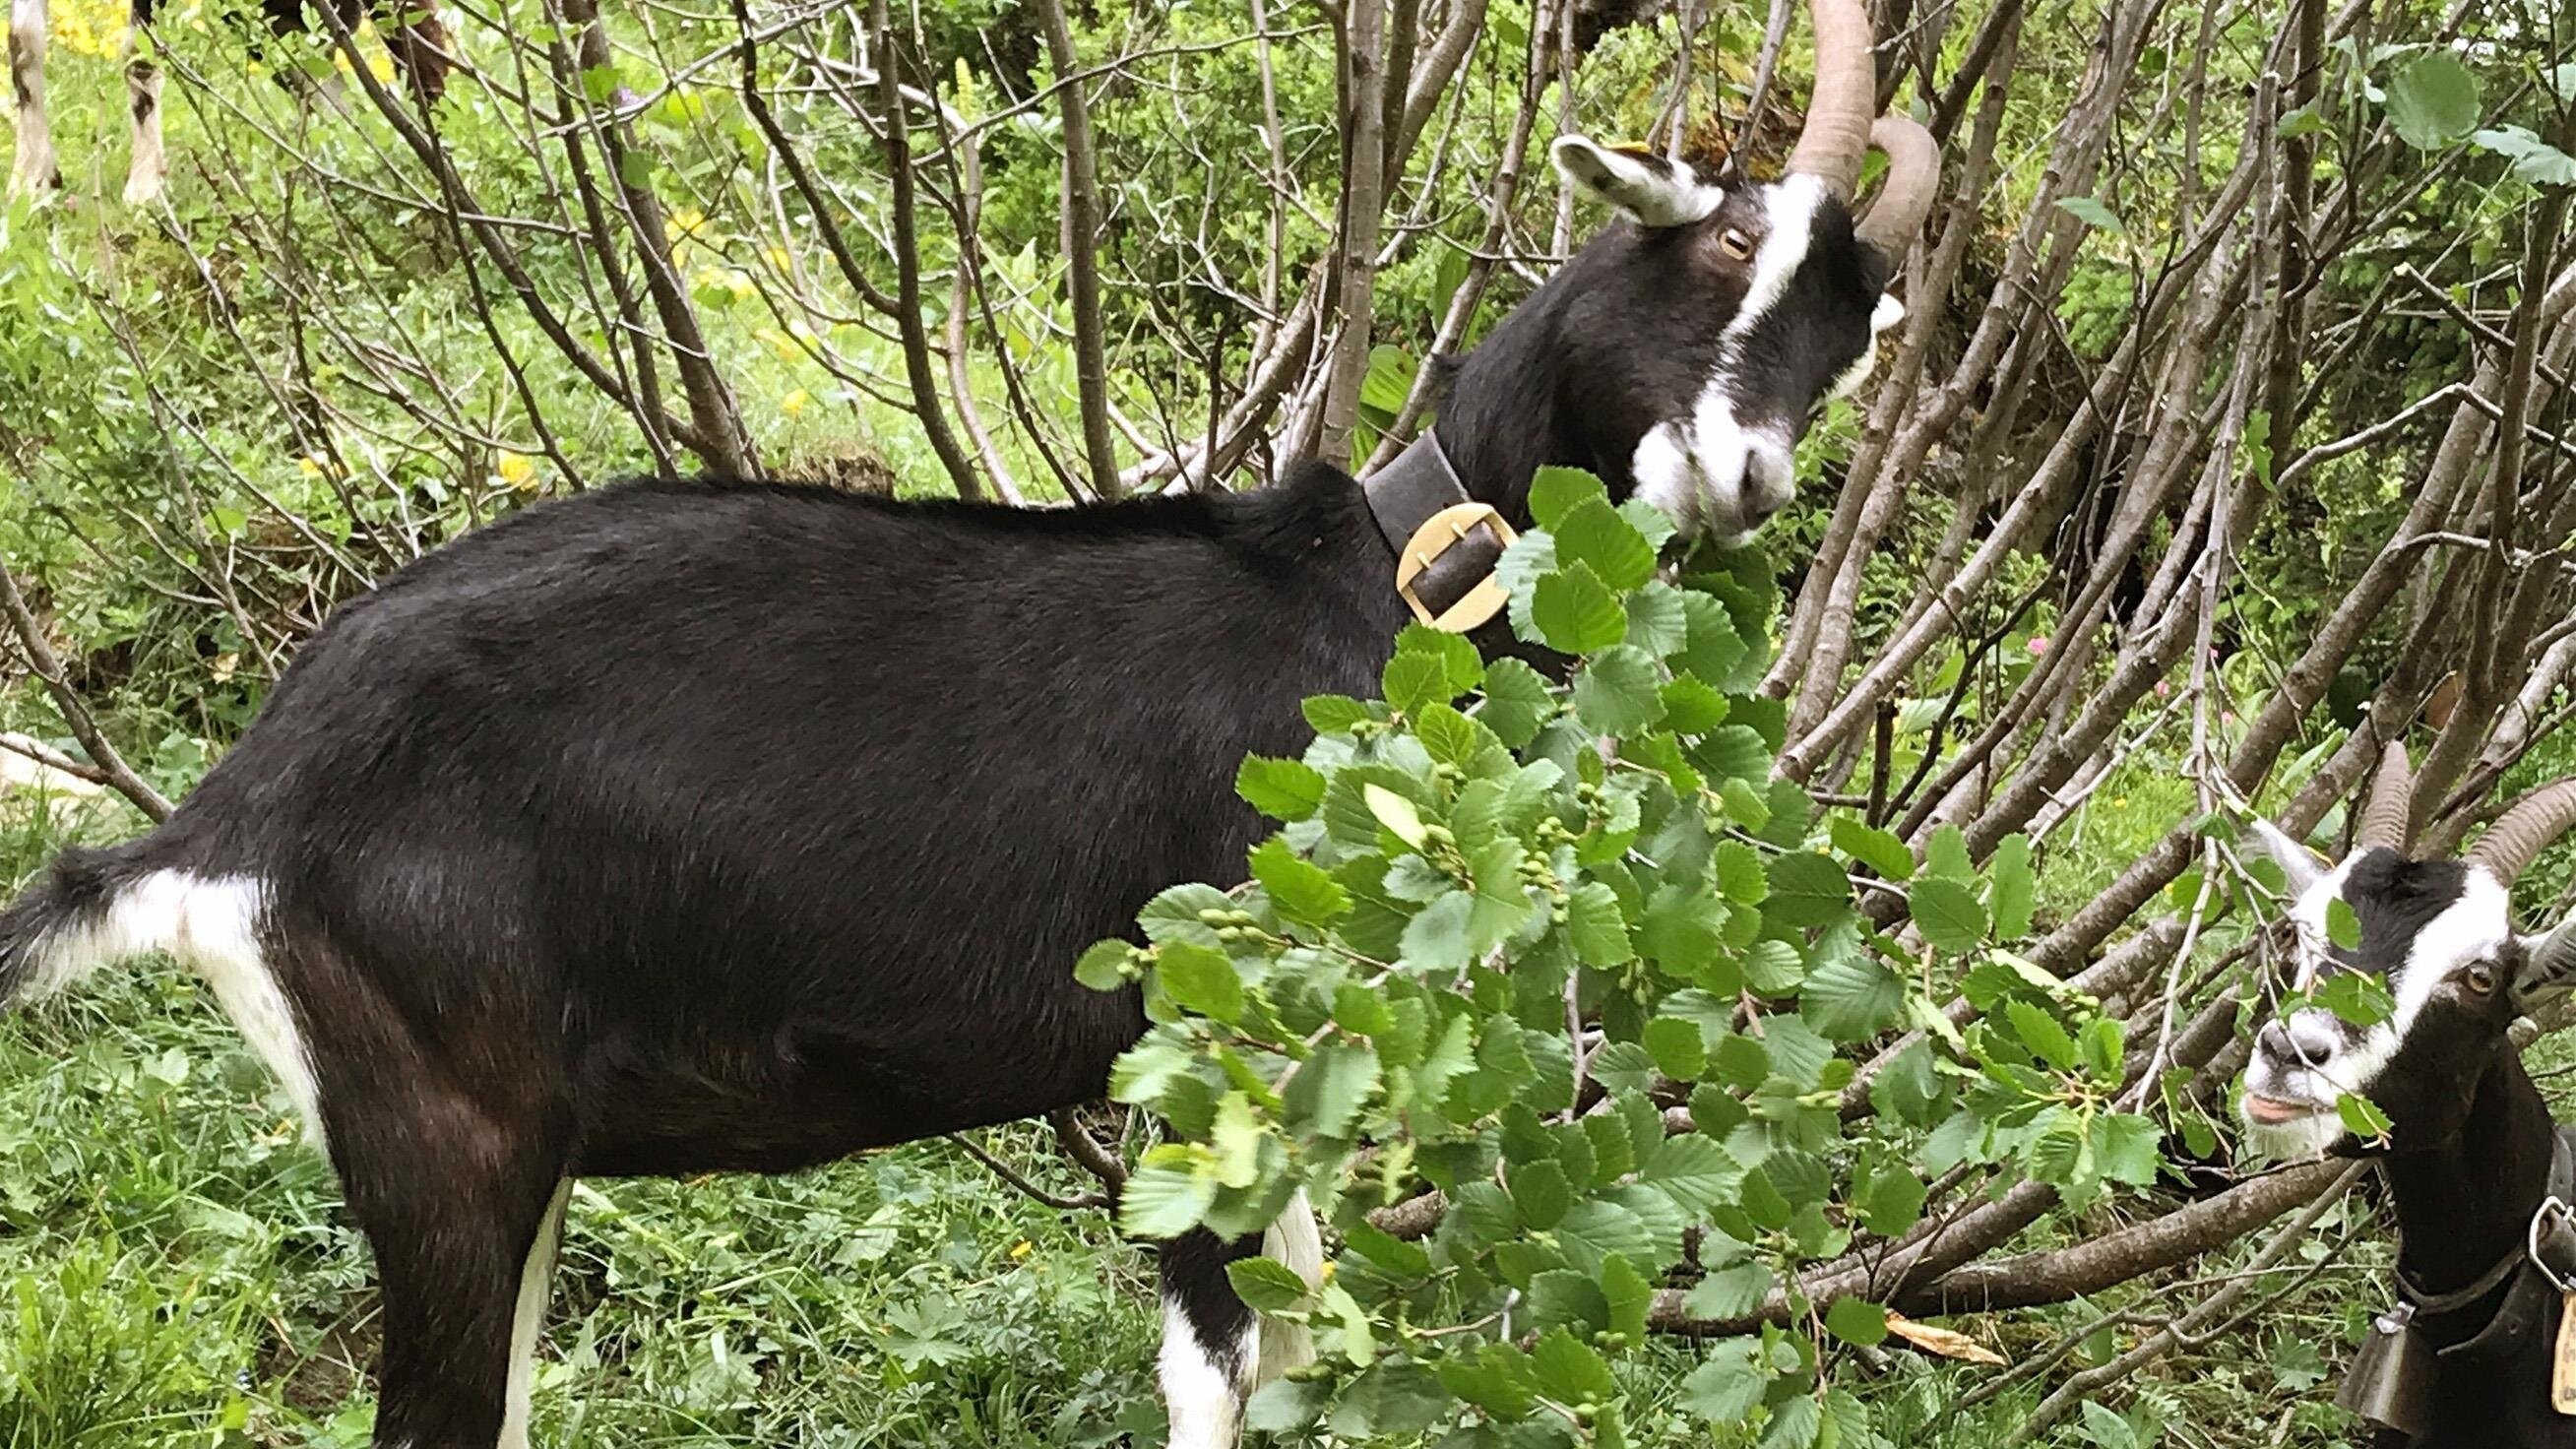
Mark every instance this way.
x=1658 y=621
x=2357 y=996
x=1715 y=651
x=1575 y=613
x=1298 y=888
x=2534 y=160
x=1850 y=995
x=2093 y=213
x=1540 y=1192
x=1280 y=789
x=1806 y=889
x=1164 y=1201
x=1517 y=702
x=1325 y=1096
x=1593 y=533
x=1877 y=849
x=1619 y=691
x=2433 y=102
x=2015 y=887
x=2128 y=1147
x=1200 y=979
x=1629 y=1297
x=1569 y=1372
x=1441 y=936
x=1857 y=1321
x=1675 y=1046
x=1105 y=966
x=1891 y=1201
x=1564 y=1298
x=1597 y=927
x=1728 y=1385
x=1498 y=1380
x=1266 y=1285
x=1333 y=713
x=1693 y=1171
x=1948 y=913
x=1555 y=492
x=2042 y=1033
x=2361 y=1116
x=2342 y=926
x=1412 y=681
x=1729 y=1293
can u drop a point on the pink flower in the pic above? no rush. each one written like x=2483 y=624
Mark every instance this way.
x=2038 y=643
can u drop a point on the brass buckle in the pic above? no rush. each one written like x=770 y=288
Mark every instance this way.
x=1438 y=534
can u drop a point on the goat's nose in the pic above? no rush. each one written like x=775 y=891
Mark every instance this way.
x=2274 y=1039
x=2301 y=1040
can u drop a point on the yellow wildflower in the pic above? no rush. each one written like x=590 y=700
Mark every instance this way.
x=517 y=470
x=309 y=466
x=225 y=666
x=777 y=257
x=381 y=66
x=794 y=406
x=1021 y=1250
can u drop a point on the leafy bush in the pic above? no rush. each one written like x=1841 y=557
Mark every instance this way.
x=1571 y=957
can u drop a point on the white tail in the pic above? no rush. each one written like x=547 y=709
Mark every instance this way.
x=211 y=924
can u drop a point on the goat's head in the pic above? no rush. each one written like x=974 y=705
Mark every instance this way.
x=1705 y=336
x=2439 y=934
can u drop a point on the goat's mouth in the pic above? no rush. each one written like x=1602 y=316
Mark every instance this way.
x=2280 y=1111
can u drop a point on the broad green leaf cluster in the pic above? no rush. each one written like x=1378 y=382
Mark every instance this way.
x=1564 y=952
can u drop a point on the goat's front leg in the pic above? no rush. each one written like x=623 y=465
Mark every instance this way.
x=1216 y=1351
x=34 y=169
x=467 y=1265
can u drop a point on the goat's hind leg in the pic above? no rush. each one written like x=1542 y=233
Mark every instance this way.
x=466 y=1257
x=1216 y=1351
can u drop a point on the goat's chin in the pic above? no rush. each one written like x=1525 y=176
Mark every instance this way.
x=2303 y=1140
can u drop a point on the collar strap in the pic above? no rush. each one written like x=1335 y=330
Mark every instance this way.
x=2548 y=1251
x=1446 y=544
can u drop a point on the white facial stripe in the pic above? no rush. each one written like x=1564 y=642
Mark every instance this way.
x=2472 y=928
x=1711 y=471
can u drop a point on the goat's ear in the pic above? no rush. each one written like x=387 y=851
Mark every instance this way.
x=2293 y=858
x=1650 y=189
x=2548 y=961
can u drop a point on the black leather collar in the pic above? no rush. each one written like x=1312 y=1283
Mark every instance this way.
x=2525 y=1304
x=1414 y=487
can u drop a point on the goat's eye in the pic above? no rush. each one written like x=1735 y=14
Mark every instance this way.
x=2481 y=977
x=1735 y=244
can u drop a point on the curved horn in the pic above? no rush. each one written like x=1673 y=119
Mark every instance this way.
x=1838 y=114
x=1905 y=198
x=2386 y=819
x=2515 y=841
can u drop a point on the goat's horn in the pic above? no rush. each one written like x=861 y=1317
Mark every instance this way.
x=2515 y=841
x=2387 y=818
x=1905 y=198
x=1846 y=97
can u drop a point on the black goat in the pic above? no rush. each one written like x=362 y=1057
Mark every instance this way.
x=412 y=28
x=680 y=828
x=2472 y=1161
